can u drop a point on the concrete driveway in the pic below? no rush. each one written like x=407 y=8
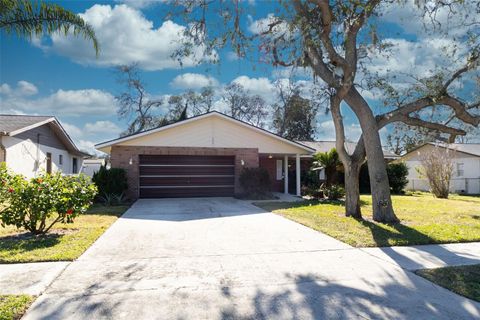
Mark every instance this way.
x=222 y=258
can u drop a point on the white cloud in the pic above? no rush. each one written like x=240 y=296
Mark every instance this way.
x=63 y=102
x=91 y=133
x=125 y=36
x=140 y=4
x=102 y=127
x=326 y=131
x=22 y=89
x=193 y=81
x=263 y=25
x=261 y=86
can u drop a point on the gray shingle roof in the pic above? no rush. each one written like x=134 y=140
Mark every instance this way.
x=11 y=123
x=324 y=146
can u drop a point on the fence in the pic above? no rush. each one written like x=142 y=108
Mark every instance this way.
x=457 y=185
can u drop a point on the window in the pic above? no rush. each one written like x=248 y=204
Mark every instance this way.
x=74 y=165
x=460 y=170
x=60 y=159
x=279 y=169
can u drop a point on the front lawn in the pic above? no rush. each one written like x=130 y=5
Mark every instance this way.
x=12 y=307
x=63 y=242
x=424 y=220
x=464 y=280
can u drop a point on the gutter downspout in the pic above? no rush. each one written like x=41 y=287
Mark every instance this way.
x=2 y=148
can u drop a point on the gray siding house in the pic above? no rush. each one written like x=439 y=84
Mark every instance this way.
x=32 y=144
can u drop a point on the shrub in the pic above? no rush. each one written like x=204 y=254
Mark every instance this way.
x=40 y=203
x=255 y=183
x=437 y=167
x=397 y=177
x=333 y=192
x=112 y=183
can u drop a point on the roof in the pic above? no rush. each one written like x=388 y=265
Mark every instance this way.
x=468 y=148
x=324 y=146
x=12 y=125
x=110 y=143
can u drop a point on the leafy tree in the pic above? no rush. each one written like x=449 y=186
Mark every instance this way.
x=397 y=176
x=403 y=138
x=335 y=39
x=136 y=104
x=294 y=116
x=190 y=103
x=243 y=106
x=26 y=18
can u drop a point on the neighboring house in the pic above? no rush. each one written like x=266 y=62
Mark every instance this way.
x=32 y=144
x=202 y=156
x=90 y=166
x=325 y=146
x=466 y=167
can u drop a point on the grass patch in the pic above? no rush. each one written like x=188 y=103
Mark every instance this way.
x=64 y=242
x=464 y=280
x=12 y=307
x=424 y=220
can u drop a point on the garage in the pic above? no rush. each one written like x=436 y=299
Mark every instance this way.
x=179 y=176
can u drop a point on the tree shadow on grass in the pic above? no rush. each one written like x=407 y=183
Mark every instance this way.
x=25 y=242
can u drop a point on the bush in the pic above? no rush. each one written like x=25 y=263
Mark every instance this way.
x=333 y=192
x=397 y=177
x=112 y=183
x=255 y=183
x=52 y=197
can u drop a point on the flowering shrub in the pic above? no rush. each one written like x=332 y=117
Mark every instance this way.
x=38 y=204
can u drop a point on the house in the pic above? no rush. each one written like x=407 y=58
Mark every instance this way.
x=325 y=146
x=32 y=144
x=202 y=156
x=466 y=167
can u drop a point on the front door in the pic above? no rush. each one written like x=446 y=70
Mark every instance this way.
x=49 y=162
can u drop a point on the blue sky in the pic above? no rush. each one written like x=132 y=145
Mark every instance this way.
x=61 y=76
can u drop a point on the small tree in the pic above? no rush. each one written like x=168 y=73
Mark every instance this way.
x=329 y=161
x=37 y=205
x=397 y=176
x=437 y=167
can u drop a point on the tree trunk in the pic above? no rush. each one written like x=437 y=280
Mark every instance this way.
x=352 y=191
x=381 y=198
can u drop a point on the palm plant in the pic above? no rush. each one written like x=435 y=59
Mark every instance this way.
x=28 y=18
x=329 y=161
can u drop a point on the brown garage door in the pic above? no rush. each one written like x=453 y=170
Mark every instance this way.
x=172 y=176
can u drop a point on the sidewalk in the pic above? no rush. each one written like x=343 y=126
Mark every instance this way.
x=428 y=256
x=29 y=278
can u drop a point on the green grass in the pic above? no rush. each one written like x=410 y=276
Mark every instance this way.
x=13 y=307
x=464 y=280
x=64 y=242
x=424 y=220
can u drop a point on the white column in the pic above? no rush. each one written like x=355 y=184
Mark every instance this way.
x=297 y=165
x=285 y=174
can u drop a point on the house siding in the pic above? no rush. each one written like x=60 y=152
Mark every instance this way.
x=120 y=158
x=29 y=158
x=43 y=135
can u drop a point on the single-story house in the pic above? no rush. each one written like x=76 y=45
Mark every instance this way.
x=202 y=156
x=325 y=146
x=466 y=167
x=32 y=144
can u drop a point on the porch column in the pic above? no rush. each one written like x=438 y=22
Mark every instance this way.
x=297 y=175
x=285 y=174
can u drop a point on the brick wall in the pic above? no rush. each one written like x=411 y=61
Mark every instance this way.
x=120 y=158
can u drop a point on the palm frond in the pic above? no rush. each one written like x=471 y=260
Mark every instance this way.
x=28 y=18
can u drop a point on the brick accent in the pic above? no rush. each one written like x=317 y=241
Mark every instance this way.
x=120 y=158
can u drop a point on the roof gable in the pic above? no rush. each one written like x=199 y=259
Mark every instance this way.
x=214 y=130
x=23 y=126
